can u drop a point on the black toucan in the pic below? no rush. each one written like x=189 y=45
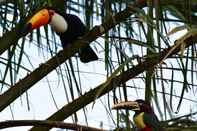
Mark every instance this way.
x=144 y=118
x=69 y=27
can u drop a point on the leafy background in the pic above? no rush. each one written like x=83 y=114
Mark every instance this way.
x=170 y=85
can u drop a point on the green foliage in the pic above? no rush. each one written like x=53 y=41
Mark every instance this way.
x=148 y=31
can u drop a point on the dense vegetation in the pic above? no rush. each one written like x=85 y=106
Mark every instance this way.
x=146 y=50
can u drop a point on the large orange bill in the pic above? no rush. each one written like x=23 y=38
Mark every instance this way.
x=40 y=18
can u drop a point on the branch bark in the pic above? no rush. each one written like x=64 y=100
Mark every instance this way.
x=11 y=37
x=20 y=87
x=23 y=85
x=89 y=97
x=45 y=123
x=2 y=2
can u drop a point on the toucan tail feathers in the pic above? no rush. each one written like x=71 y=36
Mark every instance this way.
x=87 y=54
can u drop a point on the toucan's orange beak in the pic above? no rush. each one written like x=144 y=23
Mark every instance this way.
x=40 y=18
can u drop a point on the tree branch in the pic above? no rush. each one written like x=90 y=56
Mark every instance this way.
x=2 y=2
x=45 y=123
x=20 y=87
x=89 y=97
x=23 y=85
x=12 y=37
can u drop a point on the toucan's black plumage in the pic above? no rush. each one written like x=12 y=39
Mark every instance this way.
x=76 y=29
x=69 y=27
x=144 y=118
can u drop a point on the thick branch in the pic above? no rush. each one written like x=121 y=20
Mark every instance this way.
x=44 y=123
x=6 y=1
x=26 y=83
x=11 y=37
x=23 y=85
x=190 y=128
x=89 y=97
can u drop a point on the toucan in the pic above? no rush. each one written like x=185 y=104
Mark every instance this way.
x=144 y=117
x=69 y=28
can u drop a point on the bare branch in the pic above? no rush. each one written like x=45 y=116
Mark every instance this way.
x=89 y=97
x=44 y=123
x=23 y=85
x=6 y=1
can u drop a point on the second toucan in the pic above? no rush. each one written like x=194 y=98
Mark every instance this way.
x=144 y=117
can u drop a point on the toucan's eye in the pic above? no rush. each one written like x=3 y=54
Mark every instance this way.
x=51 y=12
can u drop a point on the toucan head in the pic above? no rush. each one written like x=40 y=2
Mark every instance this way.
x=138 y=105
x=47 y=16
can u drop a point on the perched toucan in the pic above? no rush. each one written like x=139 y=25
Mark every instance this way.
x=69 y=27
x=144 y=117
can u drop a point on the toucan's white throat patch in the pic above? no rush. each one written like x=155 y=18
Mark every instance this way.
x=58 y=23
